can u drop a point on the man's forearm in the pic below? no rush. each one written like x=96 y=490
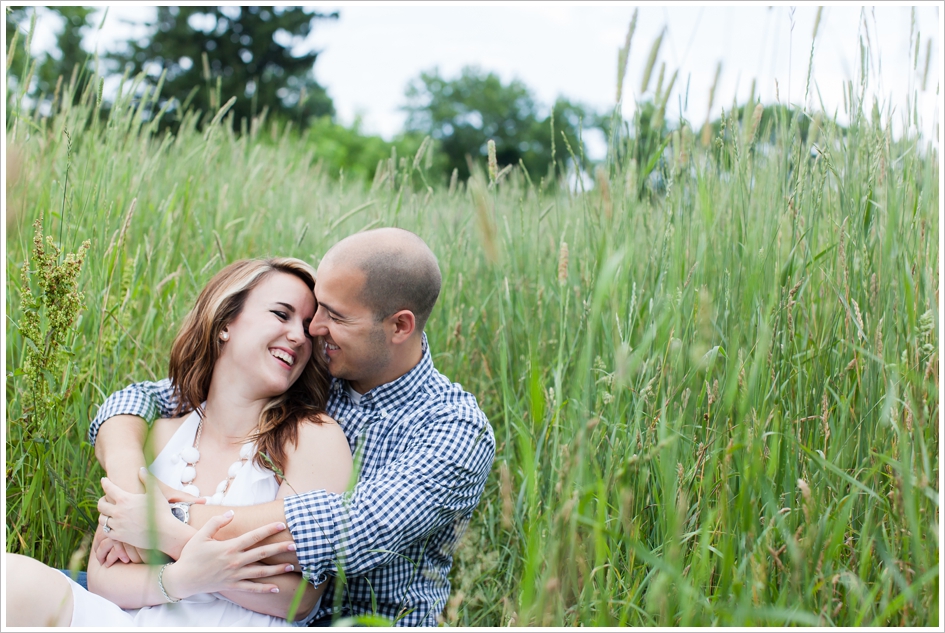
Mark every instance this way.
x=120 y=450
x=246 y=518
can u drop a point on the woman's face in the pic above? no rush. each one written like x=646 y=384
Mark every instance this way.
x=268 y=344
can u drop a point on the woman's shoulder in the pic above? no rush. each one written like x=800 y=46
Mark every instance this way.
x=321 y=458
x=321 y=428
x=162 y=430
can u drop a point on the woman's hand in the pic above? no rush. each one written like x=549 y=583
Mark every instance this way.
x=131 y=518
x=207 y=565
x=141 y=520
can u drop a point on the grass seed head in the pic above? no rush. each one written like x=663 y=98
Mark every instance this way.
x=563 y=264
x=603 y=183
x=493 y=163
x=755 y=120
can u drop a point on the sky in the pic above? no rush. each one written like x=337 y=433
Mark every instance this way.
x=368 y=56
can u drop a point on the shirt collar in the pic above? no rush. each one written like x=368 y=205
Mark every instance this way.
x=401 y=388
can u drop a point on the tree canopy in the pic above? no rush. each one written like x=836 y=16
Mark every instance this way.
x=462 y=114
x=251 y=53
x=67 y=57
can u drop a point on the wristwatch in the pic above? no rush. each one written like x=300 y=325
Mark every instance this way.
x=181 y=511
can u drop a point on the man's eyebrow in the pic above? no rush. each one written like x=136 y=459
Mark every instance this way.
x=330 y=309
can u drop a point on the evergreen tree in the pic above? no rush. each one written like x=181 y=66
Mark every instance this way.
x=213 y=53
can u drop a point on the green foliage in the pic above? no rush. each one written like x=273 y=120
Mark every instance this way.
x=244 y=52
x=358 y=156
x=462 y=114
x=56 y=70
x=48 y=314
x=42 y=479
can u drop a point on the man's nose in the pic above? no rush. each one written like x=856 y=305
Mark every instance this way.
x=318 y=326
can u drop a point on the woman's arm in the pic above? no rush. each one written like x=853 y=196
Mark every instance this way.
x=131 y=586
x=128 y=585
x=321 y=460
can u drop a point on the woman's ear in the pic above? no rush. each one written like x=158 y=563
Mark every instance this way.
x=224 y=335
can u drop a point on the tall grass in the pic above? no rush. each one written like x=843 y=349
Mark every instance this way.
x=714 y=404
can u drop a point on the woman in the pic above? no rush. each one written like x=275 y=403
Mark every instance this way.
x=244 y=360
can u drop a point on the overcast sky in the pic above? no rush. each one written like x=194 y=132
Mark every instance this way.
x=370 y=54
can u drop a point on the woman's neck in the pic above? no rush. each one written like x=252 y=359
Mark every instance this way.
x=233 y=418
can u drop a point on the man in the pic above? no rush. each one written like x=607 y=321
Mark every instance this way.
x=422 y=446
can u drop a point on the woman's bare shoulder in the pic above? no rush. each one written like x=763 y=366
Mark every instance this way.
x=321 y=459
x=322 y=428
x=162 y=430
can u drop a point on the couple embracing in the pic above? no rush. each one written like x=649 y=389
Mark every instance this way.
x=308 y=448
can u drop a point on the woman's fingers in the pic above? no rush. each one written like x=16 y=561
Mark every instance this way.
x=214 y=525
x=255 y=587
x=104 y=508
x=112 y=492
x=251 y=538
x=263 y=552
x=265 y=571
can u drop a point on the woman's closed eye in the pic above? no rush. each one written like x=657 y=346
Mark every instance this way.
x=283 y=316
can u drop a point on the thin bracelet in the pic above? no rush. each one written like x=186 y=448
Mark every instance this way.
x=161 y=584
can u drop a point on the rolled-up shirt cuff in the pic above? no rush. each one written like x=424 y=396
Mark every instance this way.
x=311 y=522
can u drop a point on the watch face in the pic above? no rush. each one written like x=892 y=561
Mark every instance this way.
x=179 y=514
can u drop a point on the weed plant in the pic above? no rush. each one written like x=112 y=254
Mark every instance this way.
x=713 y=382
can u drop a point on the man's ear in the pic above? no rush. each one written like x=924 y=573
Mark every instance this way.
x=403 y=325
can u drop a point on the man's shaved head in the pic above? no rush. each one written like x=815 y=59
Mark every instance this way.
x=400 y=271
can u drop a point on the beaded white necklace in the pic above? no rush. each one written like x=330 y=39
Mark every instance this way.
x=191 y=455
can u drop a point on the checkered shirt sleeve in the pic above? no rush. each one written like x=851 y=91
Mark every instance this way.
x=435 y=481
x=149 y=400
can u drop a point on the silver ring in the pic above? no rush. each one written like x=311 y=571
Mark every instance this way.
x=105 y=527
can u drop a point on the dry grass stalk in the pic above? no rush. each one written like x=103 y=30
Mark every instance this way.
x=493 y=163
x=484 y=220
x=755 y=120
x=505 y=483
x=420 y=151
x=859 y=319
x=563 y=264
x=706 y=128
x=603 y=184
x=651 y=60
x=623 y=55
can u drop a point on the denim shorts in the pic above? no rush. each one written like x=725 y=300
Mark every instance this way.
x=82 y=578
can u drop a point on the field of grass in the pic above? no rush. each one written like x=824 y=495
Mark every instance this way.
x=715 y=400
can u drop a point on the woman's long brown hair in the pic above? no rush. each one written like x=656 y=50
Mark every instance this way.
x=197 y=347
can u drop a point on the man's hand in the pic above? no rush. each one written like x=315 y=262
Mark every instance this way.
x=207 y=565
x=109 y=551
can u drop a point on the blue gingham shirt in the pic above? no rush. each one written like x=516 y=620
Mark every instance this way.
x=423 y=449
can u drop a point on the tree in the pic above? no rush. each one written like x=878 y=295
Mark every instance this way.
x=66 y=58
x=462 y=114
x=246 y=52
